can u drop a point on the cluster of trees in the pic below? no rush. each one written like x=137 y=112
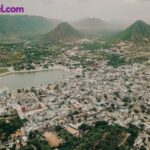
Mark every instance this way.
x=116 y=60
x=9 y=127
x=102 y=136
x=96 y=46
x=36 y=142
x=21 y=66
x=99 y=136
x=22 y=56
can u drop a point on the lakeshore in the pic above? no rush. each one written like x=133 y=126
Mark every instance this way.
x=14 y=80
x=57 y=67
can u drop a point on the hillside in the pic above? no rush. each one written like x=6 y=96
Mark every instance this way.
x=63 y=32
x=138 y=31
x=93 y=24
x=25 y=25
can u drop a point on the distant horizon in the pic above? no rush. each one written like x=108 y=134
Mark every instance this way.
x=113 y=21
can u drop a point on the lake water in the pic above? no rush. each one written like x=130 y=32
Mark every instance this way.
x=23 y=80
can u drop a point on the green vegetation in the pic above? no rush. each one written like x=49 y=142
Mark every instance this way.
x=3 y=70
x=65 y=135
x=137 y=32
x=83 y=61
x=22 y=56
x=25 y=25
x=8 y=127
x=116 y=60
x=35 y=141
x=62 y=32
x=102 y=136
x=9 y=58
x=95 y=46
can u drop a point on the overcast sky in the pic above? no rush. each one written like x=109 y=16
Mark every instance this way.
x=77 y=9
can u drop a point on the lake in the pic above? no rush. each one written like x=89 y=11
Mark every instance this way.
x=24 y=80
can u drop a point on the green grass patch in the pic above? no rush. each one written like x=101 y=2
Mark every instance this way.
x=3 y=70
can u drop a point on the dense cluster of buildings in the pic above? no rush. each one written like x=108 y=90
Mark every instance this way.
x=99 y=92
x=117 y=95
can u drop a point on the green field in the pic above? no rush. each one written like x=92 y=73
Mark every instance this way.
x=3 y=70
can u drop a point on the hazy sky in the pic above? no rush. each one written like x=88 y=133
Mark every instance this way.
x=77 y=9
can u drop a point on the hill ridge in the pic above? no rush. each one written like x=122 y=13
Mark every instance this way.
x=138 y=31
x=62 y=32
x=22 y=25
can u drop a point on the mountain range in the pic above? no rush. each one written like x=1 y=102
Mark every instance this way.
x=22 y=25
x=54 y=30
x=94 y=24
